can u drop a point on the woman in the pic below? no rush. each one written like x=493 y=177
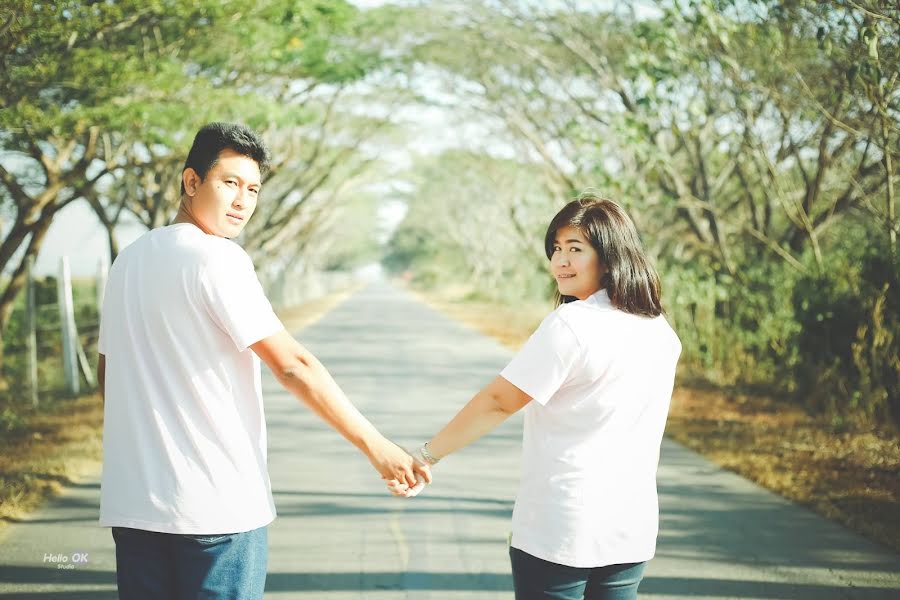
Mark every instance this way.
x=596 y=380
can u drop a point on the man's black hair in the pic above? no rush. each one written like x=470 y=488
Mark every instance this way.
x=215 y=137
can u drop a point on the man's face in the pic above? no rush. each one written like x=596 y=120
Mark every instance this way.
x=222 y=203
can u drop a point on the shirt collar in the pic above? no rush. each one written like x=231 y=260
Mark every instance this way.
x=599 y=298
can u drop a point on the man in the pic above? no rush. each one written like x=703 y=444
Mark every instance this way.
x=184 y=325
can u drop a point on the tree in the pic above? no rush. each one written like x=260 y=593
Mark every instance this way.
x=751 y=140
x=71 y=72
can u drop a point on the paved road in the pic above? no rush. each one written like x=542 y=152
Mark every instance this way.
x=338 y=536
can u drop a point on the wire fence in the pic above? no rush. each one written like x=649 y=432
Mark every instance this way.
x=53 y=331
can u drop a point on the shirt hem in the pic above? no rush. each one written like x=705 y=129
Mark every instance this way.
x=569 y=561
x=184 y=529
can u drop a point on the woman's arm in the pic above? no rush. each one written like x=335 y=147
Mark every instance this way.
x=485 y=411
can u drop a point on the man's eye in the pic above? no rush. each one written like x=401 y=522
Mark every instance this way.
x=575 y=249
x=254 y=191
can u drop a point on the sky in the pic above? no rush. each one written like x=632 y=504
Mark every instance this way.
x=76 y=233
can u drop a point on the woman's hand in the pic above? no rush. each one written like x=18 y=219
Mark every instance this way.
x=396 y=464
x=403 y=490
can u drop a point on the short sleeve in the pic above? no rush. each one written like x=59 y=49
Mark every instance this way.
x=235 y=299
x=546 y=361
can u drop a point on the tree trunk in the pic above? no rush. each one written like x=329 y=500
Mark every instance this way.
x=889 y=177
x=113 y=242
x=16 y=282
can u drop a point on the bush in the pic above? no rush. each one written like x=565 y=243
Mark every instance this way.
x=849 y=338
x=735 y=331
x=14 y=373
x=11 y=423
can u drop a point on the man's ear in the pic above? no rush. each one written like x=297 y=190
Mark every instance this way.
x=190 y=179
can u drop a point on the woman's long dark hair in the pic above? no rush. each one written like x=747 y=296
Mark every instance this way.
x=631 y=281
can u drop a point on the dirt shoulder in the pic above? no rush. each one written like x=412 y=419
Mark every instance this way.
x=851 y=476
x=56 y=445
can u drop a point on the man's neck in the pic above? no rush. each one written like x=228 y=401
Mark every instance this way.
x=184 y=216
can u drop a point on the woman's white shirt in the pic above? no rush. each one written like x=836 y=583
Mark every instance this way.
x=601 y=380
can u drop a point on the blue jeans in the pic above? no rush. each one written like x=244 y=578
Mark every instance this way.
x=155 y=566
x=537 y=579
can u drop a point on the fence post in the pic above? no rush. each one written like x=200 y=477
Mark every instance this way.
x=67 y=323
x=31 y=331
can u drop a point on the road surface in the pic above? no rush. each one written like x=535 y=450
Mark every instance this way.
x=339 y=536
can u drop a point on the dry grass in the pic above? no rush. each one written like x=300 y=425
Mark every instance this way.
x=850 y=476
x=62 y=443
x=509 y=326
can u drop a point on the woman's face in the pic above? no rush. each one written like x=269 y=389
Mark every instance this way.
x=575 y=264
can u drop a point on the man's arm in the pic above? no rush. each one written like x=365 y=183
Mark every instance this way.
x=304 y=376
x=101 y=376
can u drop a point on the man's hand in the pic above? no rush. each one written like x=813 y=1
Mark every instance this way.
x=402 y=488
x=396 y=464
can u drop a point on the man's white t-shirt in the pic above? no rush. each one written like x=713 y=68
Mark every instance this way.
x=184 y=433
x=601 y=380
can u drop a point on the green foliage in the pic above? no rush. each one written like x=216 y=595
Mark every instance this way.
x=92 y=93
x=730 y=337
x=49 y=338
x=749 y=140
x=849 y=336
x=74 y=64
x=474 y=221
x=11 y=423
x=157 y=70
x=416 y=251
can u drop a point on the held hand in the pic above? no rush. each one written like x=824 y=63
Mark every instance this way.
x=395 y=463
x=404 y=491
x=424 y=461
